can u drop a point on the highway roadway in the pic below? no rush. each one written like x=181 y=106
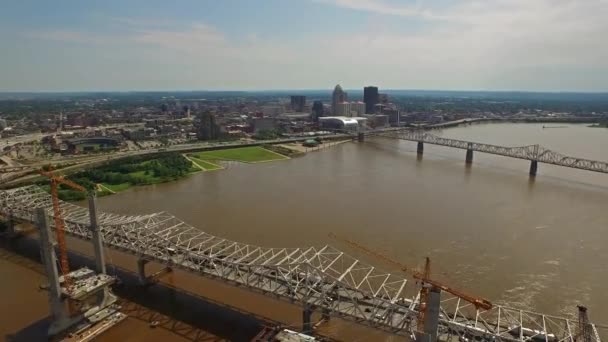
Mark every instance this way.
x=14 y=178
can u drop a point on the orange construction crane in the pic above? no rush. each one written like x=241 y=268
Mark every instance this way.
x=424 y=277
x=59 y=223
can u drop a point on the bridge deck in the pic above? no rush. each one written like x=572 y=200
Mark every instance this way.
x=530 y=152
x=323 y=277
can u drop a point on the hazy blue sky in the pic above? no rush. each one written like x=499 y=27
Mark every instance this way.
x=303 y=44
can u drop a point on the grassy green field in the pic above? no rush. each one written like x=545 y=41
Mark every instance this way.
x=117 y=187
x=205 y=164
x=244 y=154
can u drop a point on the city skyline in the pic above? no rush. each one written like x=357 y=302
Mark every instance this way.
x=202 y=45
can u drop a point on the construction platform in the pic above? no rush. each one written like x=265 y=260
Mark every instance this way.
x=88 y=332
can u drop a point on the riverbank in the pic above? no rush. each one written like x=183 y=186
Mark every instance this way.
x=118 y=176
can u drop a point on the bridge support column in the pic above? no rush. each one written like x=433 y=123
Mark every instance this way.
x=96 y=238
x=10 y=230
x=533 y=167
x=105 y=297
x=59 y=310
x=306 y=318
x=420 y=149
x=361 y=137
x=469 y=158
x=431 y=317
x=141 y=271
x=325 y=314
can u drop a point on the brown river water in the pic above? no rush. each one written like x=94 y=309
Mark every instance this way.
x=532 y=243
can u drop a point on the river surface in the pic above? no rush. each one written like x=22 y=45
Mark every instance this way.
x=538 y=244
x=490 y=229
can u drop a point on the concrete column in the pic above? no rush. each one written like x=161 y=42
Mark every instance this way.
x=59 y=311
x=361 y=137
x=11 y=225
x=141 y=271
x=47 y=247
x=431 y=316
x=306 y=319
x=325 y=314
x=469 y=158
x=420 y=147
x=533 y=167
x=96 y=236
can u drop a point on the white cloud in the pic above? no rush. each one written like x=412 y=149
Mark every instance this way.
x=515 y=44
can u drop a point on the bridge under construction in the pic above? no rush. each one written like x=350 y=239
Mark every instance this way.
x=317 y=279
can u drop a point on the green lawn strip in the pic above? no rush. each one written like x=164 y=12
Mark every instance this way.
x=117 y=187
x=251 y=154
x=208 y=166
x=194 y=169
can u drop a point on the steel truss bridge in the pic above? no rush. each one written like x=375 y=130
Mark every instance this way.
x=534 y=153
x=323 y=278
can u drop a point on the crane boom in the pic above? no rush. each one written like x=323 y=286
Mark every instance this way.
x=479 y=303
x=62 y=180
x=59 y=223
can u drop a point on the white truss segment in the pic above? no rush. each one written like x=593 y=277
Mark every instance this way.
x=324 y=278
x=530 y=152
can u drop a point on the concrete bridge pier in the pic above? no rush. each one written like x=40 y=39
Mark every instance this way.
x=533 y=167
x=361 y=137
x=307 y=318
x=469 y=158
x=325 y=314
x=105 y=297
x=59 y=310
x=141 y=271
x=431 y=317
x=420 y=149
x=10 y=231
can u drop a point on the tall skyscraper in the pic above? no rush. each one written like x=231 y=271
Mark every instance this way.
x=317 y=110
x=208 y=129
x=298 y=102
x=371 y=98
x=338 y=96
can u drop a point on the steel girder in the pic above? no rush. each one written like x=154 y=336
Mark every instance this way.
x=530 y=152
x=324 y=277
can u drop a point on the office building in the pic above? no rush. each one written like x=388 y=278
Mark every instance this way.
x=338 y=96
x=298 y=102
x=383 y=98
x=273 y=110
x=317 y=110
x=208 y=128
x=350 y=109
x=263 y=124
x=371 y=98
x=357 y=108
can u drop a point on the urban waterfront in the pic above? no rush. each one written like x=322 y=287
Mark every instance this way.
x=488 y=227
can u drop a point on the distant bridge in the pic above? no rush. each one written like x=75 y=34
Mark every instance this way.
x=324 y=279
x=534 y=153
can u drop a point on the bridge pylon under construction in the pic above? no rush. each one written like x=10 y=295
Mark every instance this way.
x=322 y=279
